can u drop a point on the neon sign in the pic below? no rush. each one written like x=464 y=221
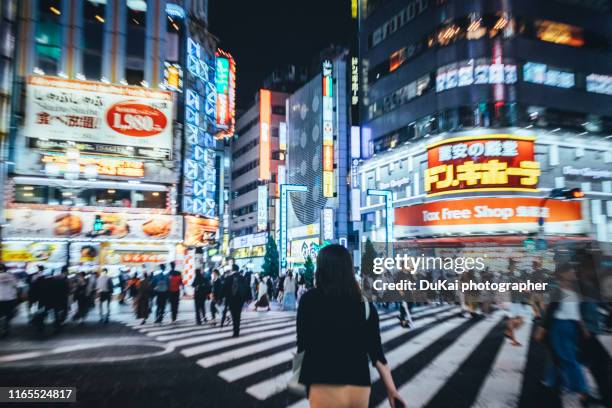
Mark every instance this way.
x=328 y=129
x=225 y=79
x=484 y=163
x=265 y=118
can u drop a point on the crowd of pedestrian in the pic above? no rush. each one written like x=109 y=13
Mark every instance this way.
x=567 y=319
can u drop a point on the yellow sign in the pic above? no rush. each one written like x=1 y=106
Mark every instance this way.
x=481 y=163
x=105 y=167
x=354 y=8
x=328 y=184
x=249 y=252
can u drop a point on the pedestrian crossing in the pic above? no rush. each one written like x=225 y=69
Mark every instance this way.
x=445 y=360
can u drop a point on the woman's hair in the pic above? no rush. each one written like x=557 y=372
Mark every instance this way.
x=335 y=275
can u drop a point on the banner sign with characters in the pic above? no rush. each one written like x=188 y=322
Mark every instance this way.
x=483 y=163
x=100 y=114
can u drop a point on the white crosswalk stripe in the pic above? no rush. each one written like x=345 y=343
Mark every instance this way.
x=503 y=384
x=223 y=334
x=431 y=378
x=277 y=384
x=259 y=360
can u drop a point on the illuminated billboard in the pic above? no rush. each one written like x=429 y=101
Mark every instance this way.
x=499 y=162
x=199 y=171
x=265 y=119
x=328 y=129
x=488 y=215
x=61 y=110
x=262 y=208
x=225 y=81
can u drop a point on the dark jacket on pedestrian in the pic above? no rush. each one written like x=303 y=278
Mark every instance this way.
x=201 y=286
x=341 y=355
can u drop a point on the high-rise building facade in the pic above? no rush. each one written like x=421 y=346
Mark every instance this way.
x=318 y=140
x=472 y=111
x=257 y=154
x=117 y=135
x=8 y=14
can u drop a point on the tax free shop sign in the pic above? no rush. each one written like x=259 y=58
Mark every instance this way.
x=488 y=215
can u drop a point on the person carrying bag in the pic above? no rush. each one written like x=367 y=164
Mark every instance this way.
x=332 y=369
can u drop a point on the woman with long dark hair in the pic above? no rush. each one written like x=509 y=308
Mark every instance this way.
x=337 y=332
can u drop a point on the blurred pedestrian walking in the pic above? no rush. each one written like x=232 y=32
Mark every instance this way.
x=289 y=290
x=562 y=328
x=104 y=289
x=8 y=299
x=175 y=283
x=160 y=285
x=201 y=291
x=81 y=298
x=143 y=298
x=236 y=292
x=217 y=294
x=262 y=294
x=61 y=297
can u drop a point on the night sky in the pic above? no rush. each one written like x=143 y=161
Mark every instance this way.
x=266 y=34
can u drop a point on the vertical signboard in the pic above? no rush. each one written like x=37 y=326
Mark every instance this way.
x=282 y=178
x=328 y=129
x=265 y=117
x=225 y=81
x=354 y=81
x=199 y=169
x=327 y=224
x=262 y=208
x=282 y=136
x=285 y=189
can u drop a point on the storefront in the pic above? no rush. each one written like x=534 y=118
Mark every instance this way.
x=88 y=241
x=249 y=250
x=485 y=183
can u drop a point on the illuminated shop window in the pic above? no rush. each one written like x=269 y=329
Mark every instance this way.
x=90 y=197
x=559 y=33
x=397 y=59
x=475 y=27
x=493 y=115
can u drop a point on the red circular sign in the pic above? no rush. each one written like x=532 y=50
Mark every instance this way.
x=135 y=119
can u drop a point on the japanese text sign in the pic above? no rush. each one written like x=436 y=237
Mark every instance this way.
x=484 y=163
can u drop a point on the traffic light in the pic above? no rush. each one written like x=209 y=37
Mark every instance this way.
x=566 y=193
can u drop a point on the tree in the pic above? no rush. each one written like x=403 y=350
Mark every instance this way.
x=270 y=264
x=367 y=259
x=309 y=272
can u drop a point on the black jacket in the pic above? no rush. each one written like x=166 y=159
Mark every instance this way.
x=337 y=340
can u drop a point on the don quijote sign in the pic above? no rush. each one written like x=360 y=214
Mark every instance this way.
x=498 y=162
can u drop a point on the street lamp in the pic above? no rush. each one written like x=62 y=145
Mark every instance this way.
x=285 y=189
x=388 y=196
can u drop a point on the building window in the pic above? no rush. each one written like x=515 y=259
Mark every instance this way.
x=135 y=41
x=174 y=39
x=90 y=197
x=94 y=14
x=49 y=37
x=278 y=109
